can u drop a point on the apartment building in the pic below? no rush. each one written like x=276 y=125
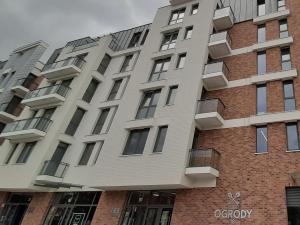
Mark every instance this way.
x=192 y=119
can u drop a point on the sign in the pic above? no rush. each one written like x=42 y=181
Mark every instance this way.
x=234 y=210
x=77 y=219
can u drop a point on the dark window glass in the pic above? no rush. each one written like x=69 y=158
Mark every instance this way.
x=289 y=97
x=11 y=153
x=135 y=40
x=283 y=27
x=104 y=64
x=136 y=142
x=169 y=41
x=261 y=139
x=261 y=33
x=281 y=5
x=194 y=9
x=261 y=63
x=25 y=153
x=160 y=67
x=114 y=91
x=261 y=99
x=148 y=104
x=160 y=139
x=177 y=16
x=145 y=37
x=292 y=136
x=188 y=33
x=172 y=95
x=286 y=59
x=75 y=121
x=67 y=82
x=181 y=61
x=101 y=121
x=87 y=152
x=261 y=7
x=126 y=64
x=90 y=91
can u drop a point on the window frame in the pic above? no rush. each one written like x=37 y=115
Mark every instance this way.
x=104 y=64
x=160 y=74
x=187 y=30
x=285 y=32
x=181 y=60
x=97 y=124
x=90 y=153
x=148 y=108
x=259 y=9
x=195 y=7
x=126 y=63
x=287 y=137
x=289 y=82
x=284 y=62
x=267 y=141
x=169 y=43
x=178 y=19
x=171 y=91
x=261 y=71
x=266 y=99
x=281 y=7
x=261 y=37
x=90 y=91
x=26 y=155
x=70 y=130
x=137 y=151
x=113 y=91
x=158 y=137
x=135 y=39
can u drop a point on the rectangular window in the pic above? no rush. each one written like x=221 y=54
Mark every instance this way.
x=90 y=91
x=11 y=153
x=286 y=59
x=25 y=153
x=177 y=16
x=148 y=104
x=136 y=142
x=283 y=27
x=135 y=40
x=289 y=96
x=97 y=154
x=188 y=32
x=194 y=9
x=172 y=95
x=261 y=7
x=160 y=139
x=145 y=37
x=104 y=64
x=261 y=33
x=75 y=121
x=160 y=67
x=126 y=64
x=101 y=121
x=86 y=154
x=261 y=99
x=169 y=41
x=261 y=63
x=261 y=139
x=114 y=91
x=281 y=5
x=292 y=136
x=181 y=61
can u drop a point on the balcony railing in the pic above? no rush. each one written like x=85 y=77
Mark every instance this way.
x=54 y=169
x=75 y=61
x=204 y=158
x=55 y=89
x=220 y=37
x=210 y=105
x=11 y=109
x=216 y=68
x=38 y=123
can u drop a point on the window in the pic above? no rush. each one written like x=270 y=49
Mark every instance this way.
x=261 y=100
x=261 y=7
x=160 y=139
x=261 y=63
x=261 y=33
x=283 y=27
x=135 y=40
x=25 y=153
x=281 y=5
x=148 y=105
x=194 y=9
x=101 y=120
x=181 y=61
x=292 y=136
x=87 y=152
x=169 y=41
x=160 y=67
x=172 y=95
x=289 y=97
x=145 y=37
x=67 y=82
x=104 y=64
x=286 y=59
x=136 y=142
x=126 y=64
x=177 y=16
x=188 y=33
x=261 y=139
x=75 y=121
x=90 y=91
x=114 y=91
x=98 y=152
x=11 y=153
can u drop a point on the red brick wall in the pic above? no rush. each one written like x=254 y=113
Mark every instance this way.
x=243 y=34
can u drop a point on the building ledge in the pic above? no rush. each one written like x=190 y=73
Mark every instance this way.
x=177 y=2
x=171 y=28
x=24 y=135
x=281 y=75
x=273 y=16
x=153 y=85
x=209 y=120
x=280 y=42
x=139 y=124
x=6 y=117
x=274 y=118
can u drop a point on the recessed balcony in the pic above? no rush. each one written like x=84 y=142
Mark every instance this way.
x=22 y=86
x=66 y=68
x=223 y=18
x=215 y=76
x=219 y=45
x=46 y=97
x=8 y=112
x=26 y=130
x=209 y=114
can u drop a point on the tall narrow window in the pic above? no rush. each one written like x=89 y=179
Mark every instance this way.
x=136 y=142
x=286 y=59
x=172 y=95
x=261 y=99
x=25 y=153
x=195 y=9
x=289 y=96
x=148 y=105
x=188 y=32
x=181 y=61
x=261 y=63
x=145 y=37
x=126 y=64
x=160 y=139
x=261 y=33
x=292 y=136
x=90 y=91
x=97 y=154
x=169 y=41
x=281 y=5
x=177 y=16
x=86 y=154
x=11 y=153
x=135 y=40
x=104 y=64
x=114 y=91
x=261 y=139
x=283 y=27
x=160 y=67
x=101 y=120
x=261 y=7
x=75 y=122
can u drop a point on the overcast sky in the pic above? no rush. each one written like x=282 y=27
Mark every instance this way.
x=59 y=21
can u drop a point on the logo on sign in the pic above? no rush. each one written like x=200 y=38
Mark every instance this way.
x=77 y=219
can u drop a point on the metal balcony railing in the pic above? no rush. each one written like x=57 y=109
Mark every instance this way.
x=216 y=68
x=66 y=62
x=54 y=169
x=210 y=105
x=204 y=158
x=220 y=37
x=38 y=123
x=55 y=89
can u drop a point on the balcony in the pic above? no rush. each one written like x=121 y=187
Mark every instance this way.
x=209 y=114
x=46 y=97
x=223 y=18
x=52 y=173
x=26 y=130
x=9 y=113
x=177 y=2
x=215 y=76
x=67 y=68
x=219 y=45
x=22 y=86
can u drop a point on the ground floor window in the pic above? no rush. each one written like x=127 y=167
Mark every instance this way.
x=73 y=208
x=149 y=208
x=293 y=205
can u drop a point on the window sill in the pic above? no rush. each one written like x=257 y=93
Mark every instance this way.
x=131 y=155
x=292 y=151
x=156 y=153
x=261 y=153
